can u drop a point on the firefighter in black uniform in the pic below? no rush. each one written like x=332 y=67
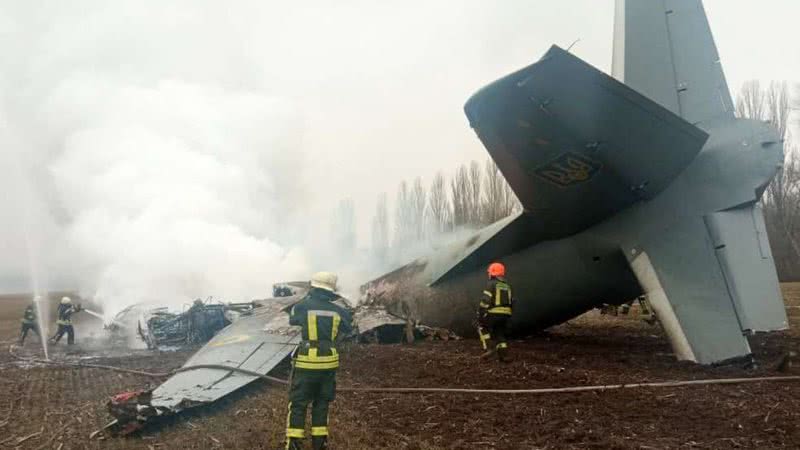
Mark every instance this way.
x=65 y=311
x=315 y=360
x=494 y=312
x=29 y=323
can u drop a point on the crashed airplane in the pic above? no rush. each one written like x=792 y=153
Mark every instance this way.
x=644 y=183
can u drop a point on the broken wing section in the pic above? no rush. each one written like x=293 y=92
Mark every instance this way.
x=742 y=247
x=256 y=343
x=664 y=49
x=680 y=272
x=576 y=145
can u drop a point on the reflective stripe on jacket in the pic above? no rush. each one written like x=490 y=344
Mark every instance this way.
x=322 y=322
x=497 y=298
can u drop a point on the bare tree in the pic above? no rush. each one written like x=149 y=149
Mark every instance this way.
x=417 y=203
x=750 y=102
x=439 y=206
x=459 y=191
x=403 y=223
x=380 y=229
x=782 y=199
x=499 y=200
x=474 y=203
x=343 y=226
x=777 y=106
x=776 y=110
x=782 y=215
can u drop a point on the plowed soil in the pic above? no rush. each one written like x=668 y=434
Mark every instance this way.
x=54 y=407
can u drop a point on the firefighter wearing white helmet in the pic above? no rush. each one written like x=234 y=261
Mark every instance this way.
x=64 y=321
x=315 y=360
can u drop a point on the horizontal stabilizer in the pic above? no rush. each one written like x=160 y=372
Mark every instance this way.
x=576 y=145
x=740 y=240
x=502 y=238
x=680 y=272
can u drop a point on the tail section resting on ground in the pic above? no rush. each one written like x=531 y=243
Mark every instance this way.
x=647 y=186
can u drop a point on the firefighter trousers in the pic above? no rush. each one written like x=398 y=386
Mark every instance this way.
x=495 y=327
x=24 y=333
x=314 y=387
x=70 y=332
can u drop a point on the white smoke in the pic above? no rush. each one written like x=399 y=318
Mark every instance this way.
x=170 y=191
x=166 y=150
x=159 y=184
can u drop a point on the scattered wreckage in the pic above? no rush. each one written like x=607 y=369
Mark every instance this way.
x=197 y=325
x=159 y=327
x=255 y=343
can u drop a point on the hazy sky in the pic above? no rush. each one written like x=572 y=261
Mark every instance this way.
x=406 y=114
x=334 y=99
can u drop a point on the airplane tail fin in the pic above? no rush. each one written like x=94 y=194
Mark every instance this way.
x=665 y=50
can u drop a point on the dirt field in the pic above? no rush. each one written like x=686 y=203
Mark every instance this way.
x=65 y=405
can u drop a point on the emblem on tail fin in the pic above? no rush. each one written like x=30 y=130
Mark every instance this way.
x=568 y=169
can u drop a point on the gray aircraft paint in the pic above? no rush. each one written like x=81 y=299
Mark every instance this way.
x=257 y=343
x=644 y=187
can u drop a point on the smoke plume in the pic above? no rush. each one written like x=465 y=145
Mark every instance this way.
x=142 y=182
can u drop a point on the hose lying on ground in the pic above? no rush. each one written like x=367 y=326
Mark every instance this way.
x=410 y=390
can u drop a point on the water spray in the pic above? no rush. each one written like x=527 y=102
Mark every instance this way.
x=100 y=316
x=90 y=312
x=29 y=226
x=41 y=322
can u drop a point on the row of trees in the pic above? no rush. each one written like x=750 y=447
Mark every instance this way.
x=474 y=197
x=478 y=195
x=781 y=200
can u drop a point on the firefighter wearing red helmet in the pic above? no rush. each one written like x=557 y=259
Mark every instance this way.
x=494 y=312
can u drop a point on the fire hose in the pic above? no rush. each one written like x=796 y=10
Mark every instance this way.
x=426 y=390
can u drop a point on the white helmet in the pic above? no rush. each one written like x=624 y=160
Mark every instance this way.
x=66 y=301
x=324 y=280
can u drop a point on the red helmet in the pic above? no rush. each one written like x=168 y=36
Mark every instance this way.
x=496 y=270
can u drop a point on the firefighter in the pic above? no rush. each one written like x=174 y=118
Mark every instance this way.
x=494 y=312
x=315 y=360
x=29 y=323
x=65 y=311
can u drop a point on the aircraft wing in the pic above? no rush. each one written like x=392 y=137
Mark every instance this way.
x=664 y=49
x=576 y=145
x=256 y=343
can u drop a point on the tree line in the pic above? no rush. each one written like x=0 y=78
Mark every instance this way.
x=475 y=196
x=781 y=200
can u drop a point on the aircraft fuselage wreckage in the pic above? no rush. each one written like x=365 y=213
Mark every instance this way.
x=644 y=183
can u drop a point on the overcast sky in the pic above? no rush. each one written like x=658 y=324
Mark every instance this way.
x=350 y=97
